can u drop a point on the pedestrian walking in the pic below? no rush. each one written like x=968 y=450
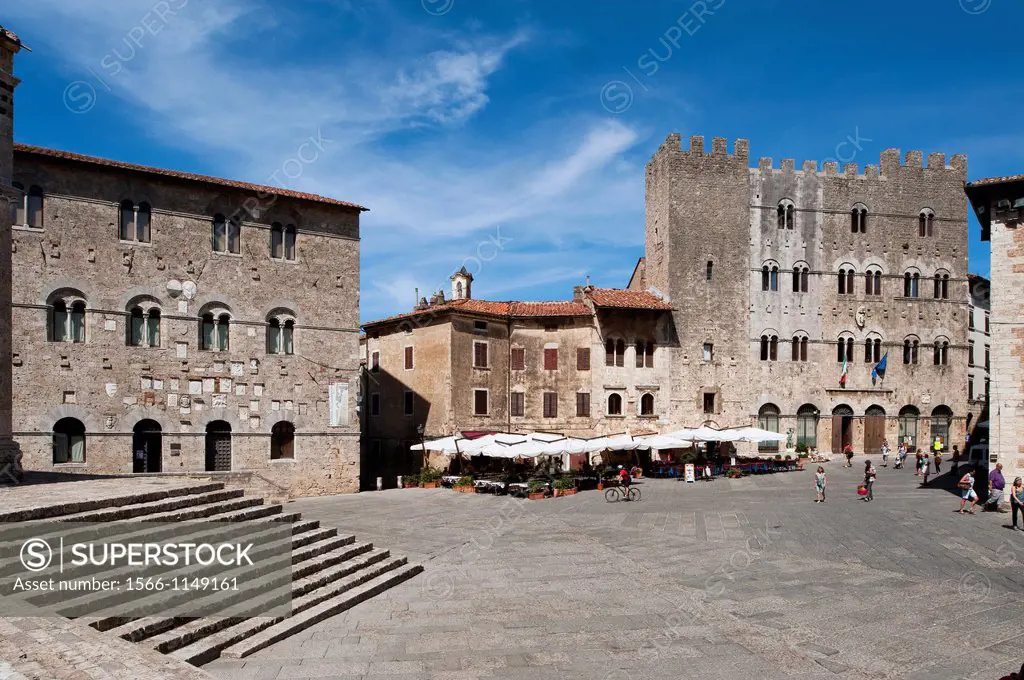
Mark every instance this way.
x=996 y=487
x=820 y=482
x=885 y=453
x=937 y=459
x=848 y=451
x=967 y=492
x=925 y=468
x=1016 y=498
x=869 y=480
x=901 y=455
x=956 y=459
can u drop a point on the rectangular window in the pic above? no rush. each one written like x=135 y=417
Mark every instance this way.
x=551 y=328
x=479 y=355
x=375 y=362
x=970 y=352
x=640 y=349
x=407 y=402
x=479 y=402
x=986 y=324
x=550 y=404
x=970 y=388
x=550 y=358
x=374 y=404
x=583 y=404
x=709 y=402
x=649 y=355
x=480 y=325
x=518 y=359
x=517 y=403
x=709 y=351
x=582 y=358
x=408 y=358
x=987 y=356
x=970 y=318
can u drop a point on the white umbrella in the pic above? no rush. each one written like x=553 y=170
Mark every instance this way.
x=661 y=442
x=442 y=445
x=756 y=434
x=704 y=434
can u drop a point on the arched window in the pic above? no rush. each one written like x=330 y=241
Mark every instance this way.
x=800 y=278
x=770 y=276
x=768 y=419
x=277 y=241
x=940 y=288
x=807 y=426
x=911 y=284
x=214 y=330
x=282 y=441
x=710 y=269
x=769 y=347
x=34 y=208
x=144 y=326
x=609 y=352
x=846 y=275
x=942 y=416
x=68 y=441
x=844 y=349
x=134 y=221
x=911 y=345
x=18 y=217
x=280 y=333
x=940 y=352
x=647 y=405
x=67 y=323
x=227 y=235
x=289 y=242
x=926 y=222
x=859 y=219
x=785 y=213
x=872 y=350
x=873 y=281
x=614 y=404
x=908 y=425
x=800 y=348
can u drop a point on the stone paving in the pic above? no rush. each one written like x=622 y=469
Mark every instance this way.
x=728 y=579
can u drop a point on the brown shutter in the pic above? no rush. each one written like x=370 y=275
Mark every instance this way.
x=583 y=359
x=480 y=355
x=551 y=359
x=518 y=359
x=583 y=404
x=408 y=357
x=550 y=405
x=480 y=402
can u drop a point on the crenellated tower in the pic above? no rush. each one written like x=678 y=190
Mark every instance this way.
x=10 y=456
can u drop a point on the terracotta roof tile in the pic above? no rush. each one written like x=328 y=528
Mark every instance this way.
x=995 y=180
x=245 y=186
x=626 y=299
x=510 y=309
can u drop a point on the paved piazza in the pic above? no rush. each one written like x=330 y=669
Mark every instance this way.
x=728 y=579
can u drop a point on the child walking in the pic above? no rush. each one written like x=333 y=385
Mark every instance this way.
x=820 y=482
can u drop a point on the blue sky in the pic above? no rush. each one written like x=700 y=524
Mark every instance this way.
x=494 y=134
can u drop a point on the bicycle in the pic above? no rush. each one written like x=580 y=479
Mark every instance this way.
x=618 y=493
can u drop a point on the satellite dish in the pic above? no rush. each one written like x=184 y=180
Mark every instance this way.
x=174 y=288
x=188 y=290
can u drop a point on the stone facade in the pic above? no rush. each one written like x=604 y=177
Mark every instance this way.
x=10 y=456
x=427 y=368
x=979 y=329
x=999 y=205
x=146 y=323
x=757 y=259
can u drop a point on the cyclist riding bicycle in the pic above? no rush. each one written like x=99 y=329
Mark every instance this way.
x=624 y=478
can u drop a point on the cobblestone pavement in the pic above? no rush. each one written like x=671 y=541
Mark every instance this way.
x=728 y=579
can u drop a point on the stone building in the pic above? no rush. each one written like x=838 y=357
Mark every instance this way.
x=979 y=354
x=596 y=364
x=999 y=205
x=10 y=456
x=176 y=323
x=780 y=276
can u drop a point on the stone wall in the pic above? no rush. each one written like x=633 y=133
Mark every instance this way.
x=110 y=386
x=1006 y=421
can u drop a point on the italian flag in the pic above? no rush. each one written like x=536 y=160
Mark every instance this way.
x=842 y=376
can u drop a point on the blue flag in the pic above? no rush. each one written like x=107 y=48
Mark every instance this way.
x=879 y=369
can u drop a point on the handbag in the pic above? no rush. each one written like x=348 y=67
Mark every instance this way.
x=862 y=490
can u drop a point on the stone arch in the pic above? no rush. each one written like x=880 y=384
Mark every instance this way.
x=283 y=305
x=134 y=295
x=230 y=302
x=291 y=416
x=140 y=413
x=209 y=415
x=66 y=285
x=92 y=423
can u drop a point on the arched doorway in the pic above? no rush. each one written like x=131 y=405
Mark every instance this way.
x=68 y=441
x=768 y=419
x=908 y=426
x=942 y=416
x=807 y=426
x=218 y=446
x=842 y=428
x=147 y=443
x=874 y=428
x=282 y=440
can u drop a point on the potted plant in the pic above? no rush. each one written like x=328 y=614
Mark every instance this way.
x=537 y=488
x=565 y=486
x=411 y=481
x=430 y=478
x=802 y=454
x=464 y=484
x=733 y=473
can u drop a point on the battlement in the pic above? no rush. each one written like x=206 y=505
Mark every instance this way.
x=889 y=164
x=719 y=147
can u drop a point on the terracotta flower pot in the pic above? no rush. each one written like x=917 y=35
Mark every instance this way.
x=429 y=485
x=565 y=492
x=465 y=489
x=536 y=496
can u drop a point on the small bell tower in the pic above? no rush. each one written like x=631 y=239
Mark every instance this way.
x=462 y=285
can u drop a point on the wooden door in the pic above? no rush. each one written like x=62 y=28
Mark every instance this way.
x=874 y=433
x=837 y=434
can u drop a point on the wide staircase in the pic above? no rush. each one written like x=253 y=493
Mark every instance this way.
x=330 y=572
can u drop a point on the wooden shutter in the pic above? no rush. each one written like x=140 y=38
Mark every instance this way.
x=550 y=358
x=550 y=405
x=518 y=399
x=518 y=359
x=583 y=404
x=480 y=402
x=582 y=358
x=408 y=357
x=480 y=354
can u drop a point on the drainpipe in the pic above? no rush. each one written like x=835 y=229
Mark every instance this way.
x=508 y=375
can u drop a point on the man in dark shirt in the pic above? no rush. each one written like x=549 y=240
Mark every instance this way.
x=996 y=485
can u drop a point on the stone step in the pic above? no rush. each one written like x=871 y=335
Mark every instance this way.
x=209 y=648
x=320 y=547
x=152 y=507
x=308 y=537
x=280 y=630
x=329 y=559
x=52 y=511
x=358 y=556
